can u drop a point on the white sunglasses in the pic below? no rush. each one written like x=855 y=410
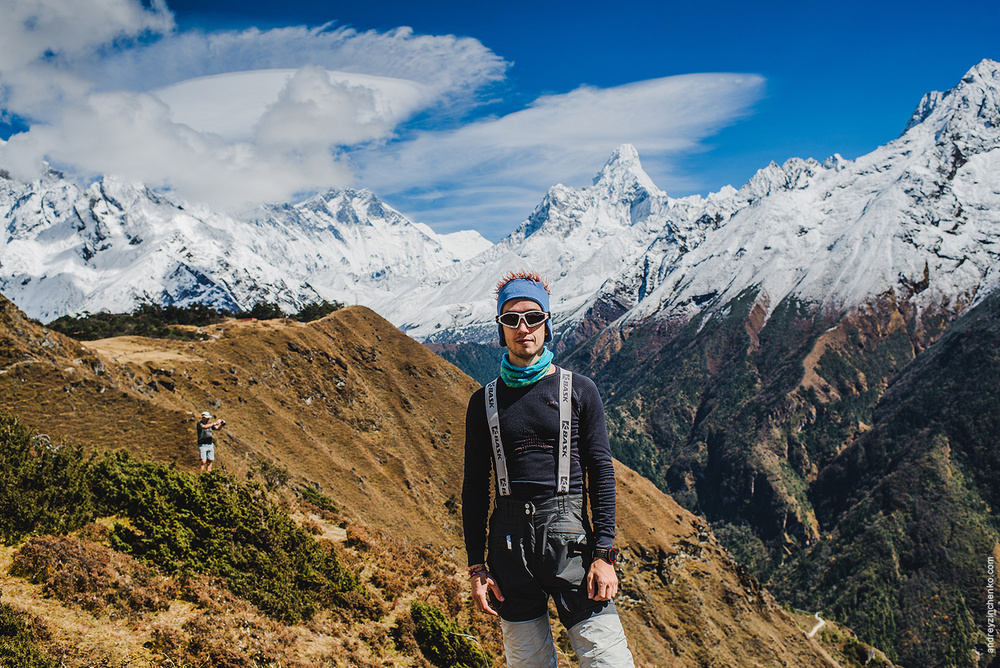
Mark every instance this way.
x=513 y=319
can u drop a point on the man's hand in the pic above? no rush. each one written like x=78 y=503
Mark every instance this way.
x=602 y=581
x=482 y=584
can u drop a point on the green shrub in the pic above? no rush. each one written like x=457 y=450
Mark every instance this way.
x=150 y=320
x=273 y=475
x=317 y=310
x=17 y=642
x=265 y=311
x=180 y=522
x=443 y=642
x=210 y=523
x=318 y=499
x=43 y=487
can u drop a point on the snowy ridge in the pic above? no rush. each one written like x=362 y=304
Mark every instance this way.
x=114 y=245
x=919 y=215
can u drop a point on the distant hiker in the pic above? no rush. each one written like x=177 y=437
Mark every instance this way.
x=206 y=439
x=538 y=432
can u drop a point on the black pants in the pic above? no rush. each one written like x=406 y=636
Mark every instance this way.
x=537 y=550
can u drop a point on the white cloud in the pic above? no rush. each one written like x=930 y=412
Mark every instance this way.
x=132 y=134
x=453 y=178
x=56 y=29
x=450 y=67
x=78 y=76
x=318 y=101
x=40 y=40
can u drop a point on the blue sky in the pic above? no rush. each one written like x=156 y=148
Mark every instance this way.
x=462 y=114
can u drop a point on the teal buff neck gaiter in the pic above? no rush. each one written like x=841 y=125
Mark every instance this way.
x=518 y=376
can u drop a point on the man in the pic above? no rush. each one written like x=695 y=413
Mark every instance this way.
x=538 y=433
x=206 y=439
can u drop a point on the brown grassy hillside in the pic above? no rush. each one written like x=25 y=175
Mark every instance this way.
x=375 y=420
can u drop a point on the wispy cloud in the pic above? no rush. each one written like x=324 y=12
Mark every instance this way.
x=491 y=173
x=450 y=67
x=234 y=118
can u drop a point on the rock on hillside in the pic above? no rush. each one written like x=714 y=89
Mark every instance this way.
x=376 y=420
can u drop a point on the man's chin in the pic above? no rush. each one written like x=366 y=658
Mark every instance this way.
x=523 y=358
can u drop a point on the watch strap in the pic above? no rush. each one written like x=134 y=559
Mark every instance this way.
x=608 y=554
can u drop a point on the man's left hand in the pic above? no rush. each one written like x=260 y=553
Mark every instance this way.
x=602 y=581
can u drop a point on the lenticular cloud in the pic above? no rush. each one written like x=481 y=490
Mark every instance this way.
x=97 y=82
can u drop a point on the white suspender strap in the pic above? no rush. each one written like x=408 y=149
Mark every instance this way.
x=493 y=417
x=565 y=434
x=565 y=429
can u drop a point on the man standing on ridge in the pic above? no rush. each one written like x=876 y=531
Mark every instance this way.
x=206 y=439
x=538 y=433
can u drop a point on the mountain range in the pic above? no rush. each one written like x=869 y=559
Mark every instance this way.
x=114 y=245
x=834 y=233
x=917 y=215
x=764 y=352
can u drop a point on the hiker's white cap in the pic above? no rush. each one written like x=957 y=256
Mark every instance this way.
x=206 y=414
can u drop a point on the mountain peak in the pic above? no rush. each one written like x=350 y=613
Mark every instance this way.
x=623 y=172
x=985 y=70
x=972 y=106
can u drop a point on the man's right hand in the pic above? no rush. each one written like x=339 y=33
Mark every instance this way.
x=482 y=585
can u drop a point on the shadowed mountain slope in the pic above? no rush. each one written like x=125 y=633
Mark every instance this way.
x=847 y=459
x=909 y=506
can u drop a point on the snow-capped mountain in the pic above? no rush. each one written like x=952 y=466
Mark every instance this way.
x=115 y=244
x=919 y=216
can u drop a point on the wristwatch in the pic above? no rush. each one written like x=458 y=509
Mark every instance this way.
x=608 y=554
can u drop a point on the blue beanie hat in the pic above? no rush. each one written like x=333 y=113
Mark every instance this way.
x=522 y=288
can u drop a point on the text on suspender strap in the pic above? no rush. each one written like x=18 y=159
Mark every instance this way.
x=565 y=434
x=493 y=417
x=565 y=429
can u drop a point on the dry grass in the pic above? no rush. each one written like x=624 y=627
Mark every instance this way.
x=92 y=606
x=92 y=577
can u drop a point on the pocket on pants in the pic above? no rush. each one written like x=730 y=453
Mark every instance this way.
x=566 y=557
x=506 y=556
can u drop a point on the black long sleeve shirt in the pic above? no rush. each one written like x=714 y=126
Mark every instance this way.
x=529 y=427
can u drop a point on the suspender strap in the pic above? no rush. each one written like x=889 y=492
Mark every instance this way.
x=565 y=429
x=565 y=434
x=493 y=417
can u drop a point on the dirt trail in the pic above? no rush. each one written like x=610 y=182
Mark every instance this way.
x=138 y=350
